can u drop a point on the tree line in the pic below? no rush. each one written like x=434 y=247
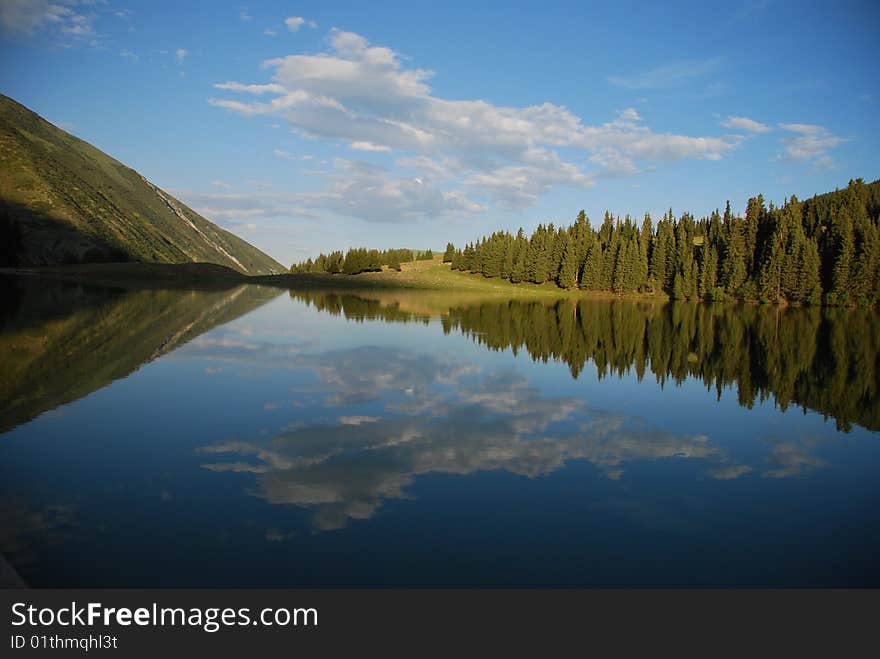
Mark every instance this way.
x=360 y=259
x=823 y=250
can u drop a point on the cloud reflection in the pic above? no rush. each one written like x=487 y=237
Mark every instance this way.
x=442 y=417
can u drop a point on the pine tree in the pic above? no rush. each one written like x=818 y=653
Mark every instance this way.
x=467 y=261
x=678 y=287
x=591 y=278
x=733 y=269
x=508 y=246
x=684 y=259
x=864 y=275
x=755 y=213
x=811 y=286
x=535 y=263
x=568 y=271
x=844 y=246
x=657 y=270
x=609 y=259
x=458 y=260
x=520 y=256
x=644 y=247
x=556 y=253
x=708 y=270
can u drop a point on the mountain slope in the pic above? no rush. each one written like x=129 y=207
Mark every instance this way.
x=62 y=200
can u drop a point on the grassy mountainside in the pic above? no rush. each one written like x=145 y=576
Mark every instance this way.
x=64 y=201
x=61 y=341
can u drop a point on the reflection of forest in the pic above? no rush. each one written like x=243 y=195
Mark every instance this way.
x=825 y=360
x=60 y=341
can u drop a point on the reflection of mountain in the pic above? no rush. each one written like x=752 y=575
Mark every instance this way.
x=826 y=360
x=451 y=421
x=62 y=341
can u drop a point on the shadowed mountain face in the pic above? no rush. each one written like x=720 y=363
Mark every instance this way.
x=825 y=360
x=61 y=341
x=64 y=201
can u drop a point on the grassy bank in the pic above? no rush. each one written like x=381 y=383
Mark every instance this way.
x=434 y=276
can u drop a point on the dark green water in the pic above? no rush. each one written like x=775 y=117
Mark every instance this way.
x=257 y=437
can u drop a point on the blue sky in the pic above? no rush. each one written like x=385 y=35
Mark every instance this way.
x=309 y=126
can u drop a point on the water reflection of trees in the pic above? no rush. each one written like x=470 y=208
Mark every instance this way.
x=825 y=360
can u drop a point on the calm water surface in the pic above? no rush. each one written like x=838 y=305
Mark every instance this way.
x=260 y=437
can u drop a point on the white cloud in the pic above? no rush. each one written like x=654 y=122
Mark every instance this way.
x=181 y=54
x=666 y=77
x=242 y=206
x=614 y=163
x=269 y=32
x=517 y=185
x=221 y=184
x=294 y=23
x=244 y=15
x=429 y=168
x=746 y=124
x=367 y=96
x=372 y=193
x=250 y=89
x=353 y=189
x=125 y=53
x=810 y=143
x=77 y=24
x=368 y=146
x=29 y=17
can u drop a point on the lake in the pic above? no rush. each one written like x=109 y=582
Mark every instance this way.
x=260 y=437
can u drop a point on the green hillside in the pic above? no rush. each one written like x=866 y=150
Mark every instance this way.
x=64 y=201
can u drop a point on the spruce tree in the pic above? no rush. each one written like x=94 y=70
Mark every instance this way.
x=508 y=246
x=569 y=269
x=657 y=270
x=844 y=246
x=520 y=256
x=591 y=278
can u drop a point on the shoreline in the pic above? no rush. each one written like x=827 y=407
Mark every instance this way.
x=427 y=276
